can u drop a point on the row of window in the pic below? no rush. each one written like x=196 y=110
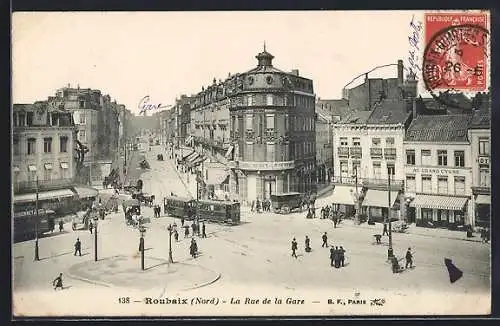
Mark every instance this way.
x=299 y=123
x=298 y=100
x=356 y=169
x=47 y=145
x=47 y=175
x=376 y=142
x=21 y=119
x=442 y=185
x=442 y=157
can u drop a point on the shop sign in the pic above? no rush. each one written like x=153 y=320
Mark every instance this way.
x=266 y=165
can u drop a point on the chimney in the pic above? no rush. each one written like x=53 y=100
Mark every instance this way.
x=400 y=72
x=414 y=108
x=69 y=85
x=295 y=72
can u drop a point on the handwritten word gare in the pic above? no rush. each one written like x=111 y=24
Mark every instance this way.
x=145 y=104
x=416 y=28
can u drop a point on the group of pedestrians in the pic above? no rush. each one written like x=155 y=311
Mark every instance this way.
x=261 y=206
x=328 y=212
x=157 y=210
x=337 y=254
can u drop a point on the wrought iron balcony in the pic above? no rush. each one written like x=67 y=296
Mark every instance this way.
x=355 y=152
x=382 y=183
x=270 y=135
x=343 y=151
x=390 y=153
x=376 y=152
x=43 y=185
x=346 y=180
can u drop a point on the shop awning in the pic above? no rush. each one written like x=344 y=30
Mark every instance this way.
x=32 y=168
x=86 y=192
x=15 y=169
x=379 y=198
x=216 y=176
x=187 y=154
x=343 y=195
x=192 y=158
x=189 y=140
x=48 y=166
x=64 y=165
x=54 y=194
x=439 y=202
x=229 y=152
x=483 y=200
x=199 y=160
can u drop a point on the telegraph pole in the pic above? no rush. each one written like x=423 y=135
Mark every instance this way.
x=95 y=240
x=37 y=257
x=390 y=252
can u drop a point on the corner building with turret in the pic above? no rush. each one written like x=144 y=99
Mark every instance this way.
x=258 y=129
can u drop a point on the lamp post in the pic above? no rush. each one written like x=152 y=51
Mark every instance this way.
x=390 y=252
x=356 y=213
x=37 y=257
x=95 y=238
x=170 y=230
x=141 y=246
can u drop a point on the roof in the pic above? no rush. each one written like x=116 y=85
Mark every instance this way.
x=389 y=112
x=439 y=128
x=323 y=115
x=480 y=120
x=266 y=69
x=356 y=117
x=457 y=99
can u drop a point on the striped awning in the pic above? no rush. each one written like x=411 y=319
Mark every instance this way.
x=189 y=140
x=31 y=197
x=188 y=154
x=86 y=192
x=379 y=198
x=199 y=160
x=192 y=158
x=483 y=200
x=229 y=152
x=439 y=202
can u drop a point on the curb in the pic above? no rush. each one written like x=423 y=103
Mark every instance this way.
x=219 y=275
x=86 y=280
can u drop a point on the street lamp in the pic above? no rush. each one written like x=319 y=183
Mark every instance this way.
x=390 y=252
x=37 y=257
x=170 y=231
x=142 y=230
x=95 y=238
x=356 y=213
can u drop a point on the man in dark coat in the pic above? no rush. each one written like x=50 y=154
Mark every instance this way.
x=323 y=212
x=78 y=247
x=193 y=248
x=308 y=244
x=342 y=256
x=186 y=231
x=203 y=234
x=336 y=258
x=193 y=226
x=61 y=225
x=182 y=221
x=57 y=282
x=409 y=258
x=325 y=241
x=335 y=222
x=332 y=255
x=91 y=226
x=385 y=232
x=294 y=248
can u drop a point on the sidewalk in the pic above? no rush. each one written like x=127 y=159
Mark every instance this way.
x=421 y=231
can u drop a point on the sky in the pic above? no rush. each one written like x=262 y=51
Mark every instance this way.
x=129 y=55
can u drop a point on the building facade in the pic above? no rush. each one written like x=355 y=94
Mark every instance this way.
x=480 y=148
x=438 y=171
x=368 y=147
x=260 y=124
x=324 y=147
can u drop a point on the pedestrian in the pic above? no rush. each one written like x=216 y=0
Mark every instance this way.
x=91 y=226
x=193 y=248
x=323 y=212
x=61 y=225
x=252 y=207
x=78 y=247
x=176 y=235
x=336 y=258
x=203 y=234
x=182 y=221
x=342 y=256
x=294 y=248
x=325 y=239
x=193 y=226
x=186 y=231
x=409 y=258
x=58 y=282
x=385 y=232
x=334 y=222
x=308 y=242
x=332 y=255
x=314 y=212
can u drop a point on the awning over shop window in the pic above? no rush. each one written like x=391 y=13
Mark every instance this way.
x=187 y=154
x=343 y=195
x=32 y=168
x=379 y=198
x=54 y=194
x=216 y=176
x=64 y=165
x=439 y=202
x=189 y=140
x=483 y=200
x=48 y=166
x=85 y=192
x=199 y=160
x=15 y=169
x=192 y=158
x=229 y=152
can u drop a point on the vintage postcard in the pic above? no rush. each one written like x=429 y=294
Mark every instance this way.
x=273 y=163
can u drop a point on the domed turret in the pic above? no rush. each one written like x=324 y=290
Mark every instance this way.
x=265 y=58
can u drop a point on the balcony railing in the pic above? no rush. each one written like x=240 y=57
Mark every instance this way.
x=343 y=151
x=390 y=153
x=355 y=152
x=369 y=182
x=346 y=180
x=376 y=152
x=43 y=185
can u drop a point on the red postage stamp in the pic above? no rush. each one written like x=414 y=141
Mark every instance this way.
x=457 y=50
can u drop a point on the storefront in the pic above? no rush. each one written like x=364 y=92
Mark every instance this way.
x=440 y=211
x=59 y=200
x=376 y=202
x=343 y=199
x=483 y=210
